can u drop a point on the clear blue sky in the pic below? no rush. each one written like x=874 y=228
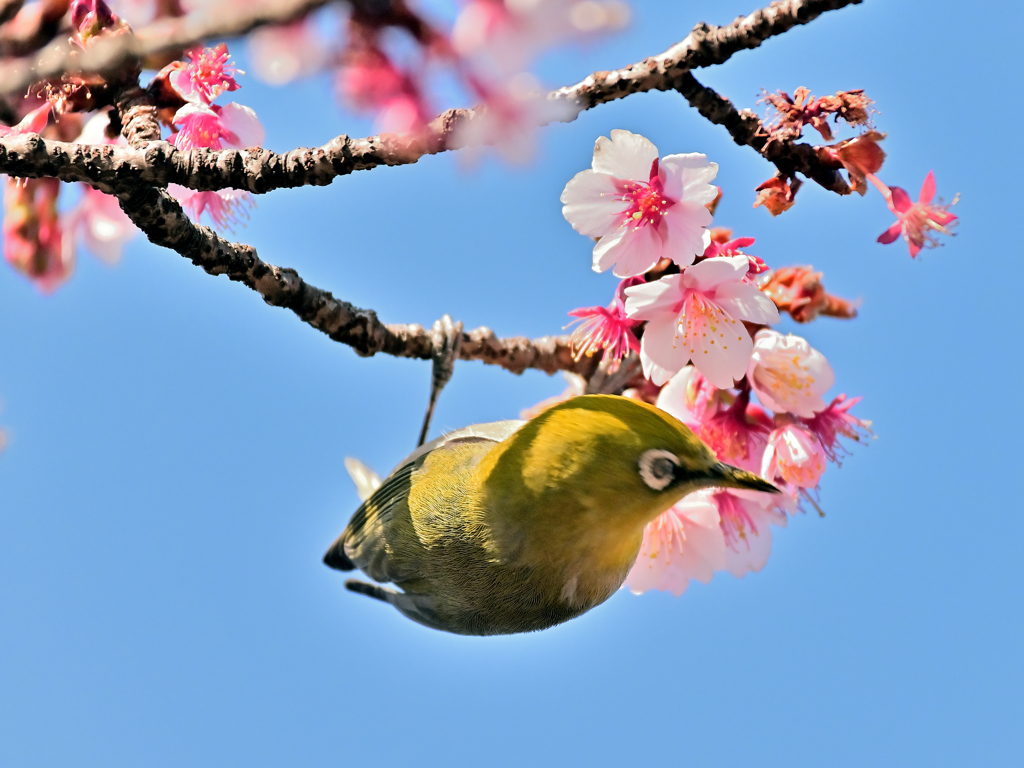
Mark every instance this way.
x=174 y=472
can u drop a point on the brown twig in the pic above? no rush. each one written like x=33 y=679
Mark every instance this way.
x=746 y=129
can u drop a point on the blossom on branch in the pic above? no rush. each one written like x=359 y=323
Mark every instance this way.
x=697 y=315
x=788 y=374
x=283 y=52
x=746 y=521
x=643 y=209
x=916 y=221
x=34 y=122
x=792 y=113
x=209 y=73
x=778 y=194
x=606 y=329
x=233 y=126
x=795 y=455
x=836 y=421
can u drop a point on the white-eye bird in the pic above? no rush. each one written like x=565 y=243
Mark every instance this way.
x=517 y=526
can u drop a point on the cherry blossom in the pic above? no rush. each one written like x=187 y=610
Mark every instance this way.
x=97 y=219
x=916 y=221
x=643 y=209
x=34 y=122
x=795 y=455
x=209 y=73
x=723 y=244
x=746 y=520
x=777 y=195
x=696 y=315
x=605 y=329
x=737 y=433
x=233 y=126
x=685 y=542
x=370 y=80
x=508 y=34
x=32 y=236
x=836 y=421
x=788 y=374
x=281 y=53
x=689 y=397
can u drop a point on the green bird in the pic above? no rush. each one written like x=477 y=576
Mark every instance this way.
x=518 y=526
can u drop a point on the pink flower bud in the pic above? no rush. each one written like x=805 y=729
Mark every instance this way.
x=795 y=455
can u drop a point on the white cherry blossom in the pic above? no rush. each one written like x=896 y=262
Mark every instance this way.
x=641 y=207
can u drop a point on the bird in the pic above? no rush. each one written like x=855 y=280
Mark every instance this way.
x=519 y=526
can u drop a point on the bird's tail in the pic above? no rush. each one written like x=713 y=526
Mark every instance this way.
x=336 y=558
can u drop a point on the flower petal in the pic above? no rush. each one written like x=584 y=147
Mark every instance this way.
x=242 y=122
x=626 y=155
x=591 y=204
x=891 y=234
x=662 y=353
x=688 y=176
x=745 y=302
x=649 y=300
x=710 y=273
x=927 y=189
x=683 y=227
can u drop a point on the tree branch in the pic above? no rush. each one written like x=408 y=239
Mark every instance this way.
x=261 y=170
x=746 y=130
x=160 y=216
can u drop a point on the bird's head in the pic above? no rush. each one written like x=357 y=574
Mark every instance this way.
x=622 y=460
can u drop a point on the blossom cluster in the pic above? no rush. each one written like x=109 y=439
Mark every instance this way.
x=695 y=308
x=861 y=157
x=40 y=238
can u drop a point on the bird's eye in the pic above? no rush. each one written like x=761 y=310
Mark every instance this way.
x=658 y=468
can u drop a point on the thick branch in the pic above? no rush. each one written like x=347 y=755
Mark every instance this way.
x=160 y=216
x=746 y=130
x=260 y=170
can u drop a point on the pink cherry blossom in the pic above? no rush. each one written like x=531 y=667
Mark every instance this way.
x=795 y=455
x=643 y=209
x=34 y=122
x=232 y=126
x=225 y=207
x=689 y=396
x=605 y=329
x=836 y=421
x=97 y=220
x=737 y=433
x=99 y=223
x=281 y=53
x=746 y=521
x=916 y=221
x=209 y=73
x=788 y=374
x=697 y=315
x=33 y=239
x=735 y=247
x=508 y=34
x=683 y=543
x=370 y=80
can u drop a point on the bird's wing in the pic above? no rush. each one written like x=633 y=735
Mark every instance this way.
x=366 y=480
x=363 y=543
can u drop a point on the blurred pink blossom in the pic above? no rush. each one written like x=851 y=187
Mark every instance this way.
x=689 y=397
x=788 y=374
x=643 y=209
x=370 y=80
x=281 y=53
x=696 y=315
x=33 y=240
x=34 y=122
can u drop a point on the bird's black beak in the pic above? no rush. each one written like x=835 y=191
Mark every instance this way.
x=727 y=476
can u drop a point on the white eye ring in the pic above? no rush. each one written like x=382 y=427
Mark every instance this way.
x=658 y=468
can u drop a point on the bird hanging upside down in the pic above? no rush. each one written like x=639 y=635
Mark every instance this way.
x=517 y=526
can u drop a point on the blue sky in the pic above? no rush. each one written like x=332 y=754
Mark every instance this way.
x=174 y=470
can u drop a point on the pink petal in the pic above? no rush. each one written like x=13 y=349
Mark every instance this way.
x=709 y=274
x=683 y=227
x=891 y=233
x=633 y=252
x=242 y=122
x=900 y=199
x=745 y=302
x=625 y=155
x=927 y=189
x=647 y=301
x=688 y=176
x=661 y=349
x=590 y=204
